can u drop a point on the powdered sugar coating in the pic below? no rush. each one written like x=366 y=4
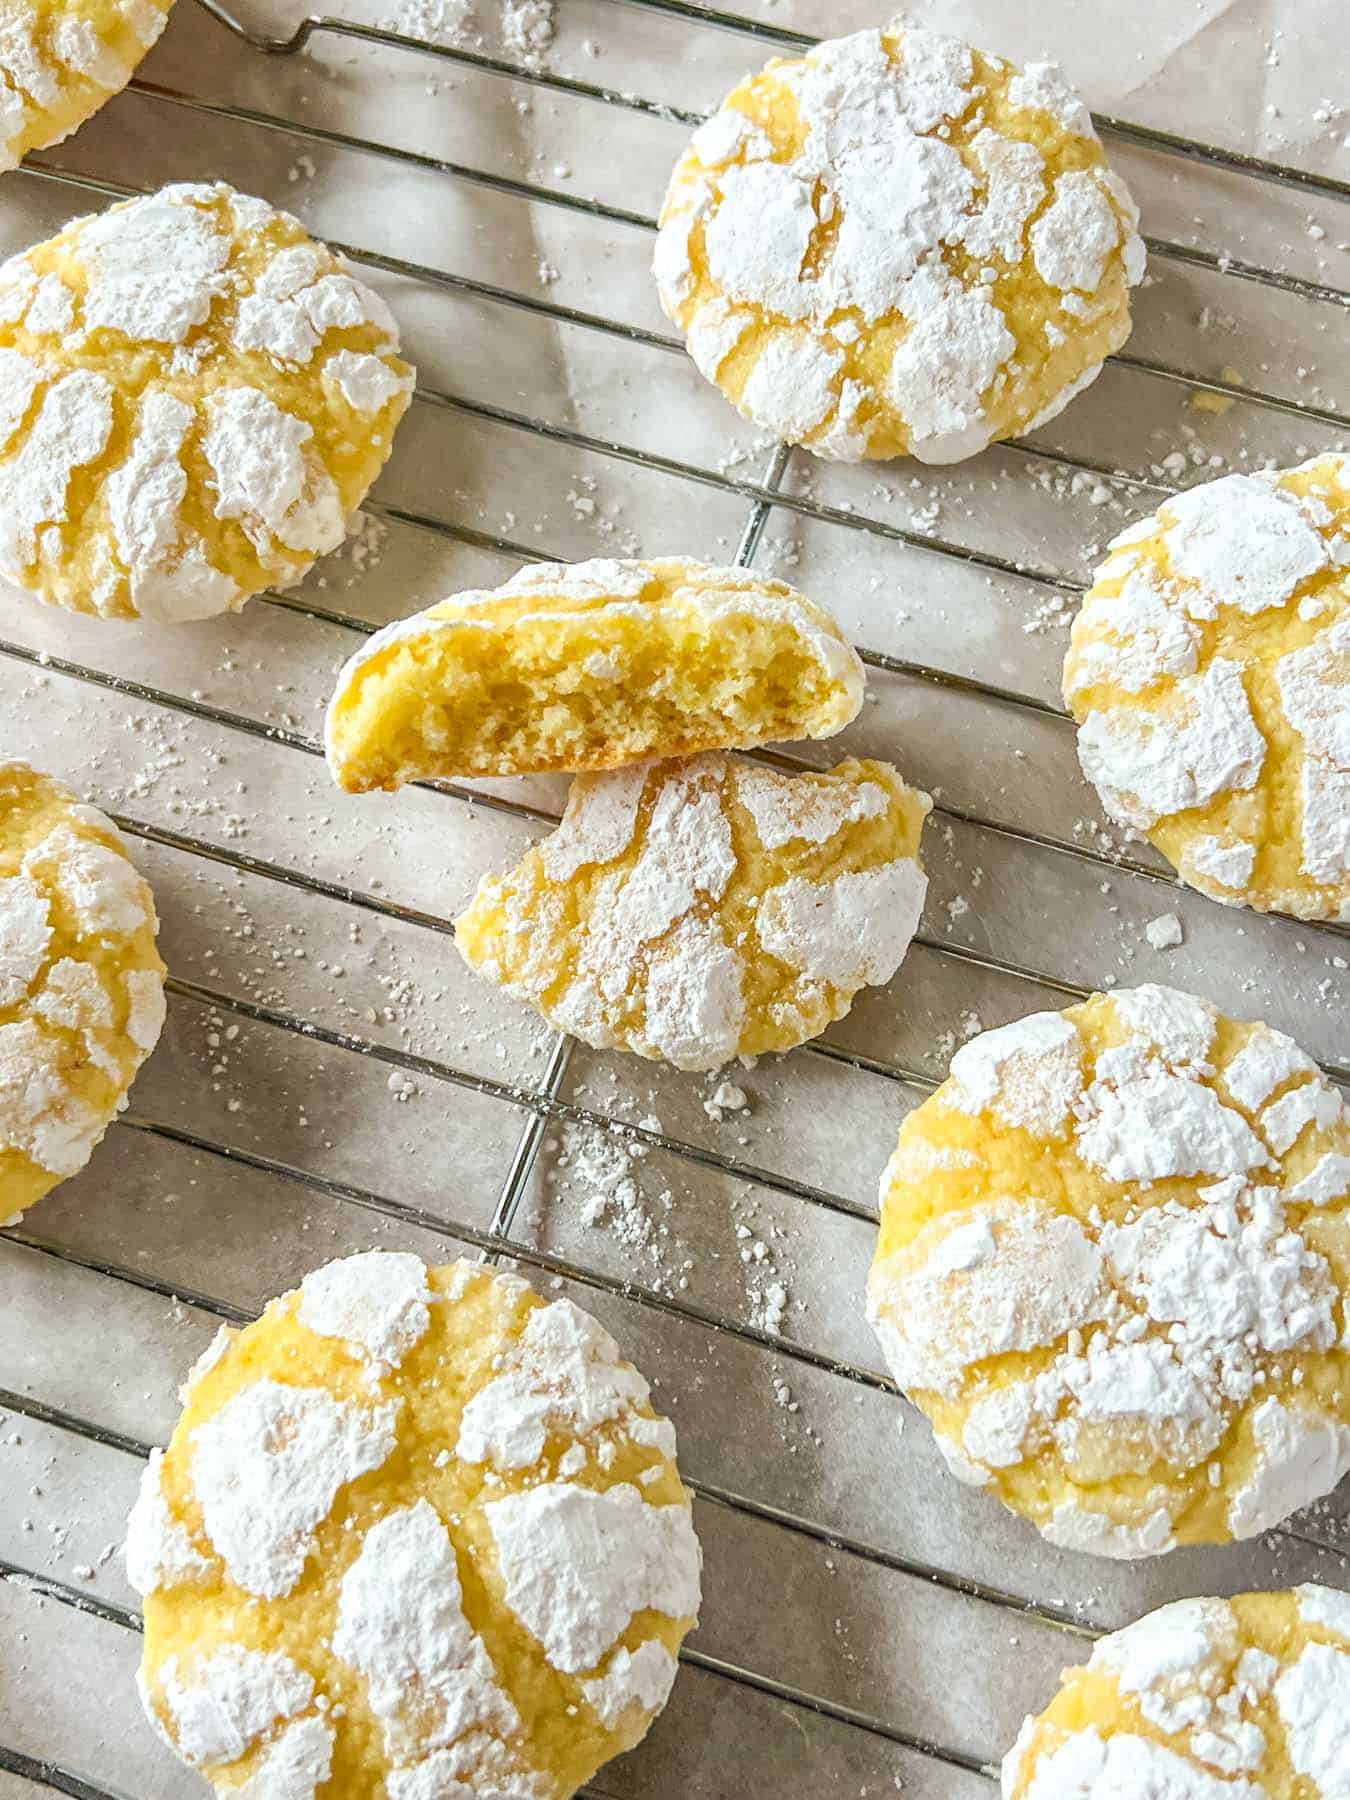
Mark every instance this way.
x=60 y=63
x=190 y=317
x=81 y=986
x=401 y=1625
x=267 y=1468
x=336 y=1586
x=1102 y=1258
x=1210 y=676
x=229 y=1699
x=376 y=1303
x=860 y=197
x=555 y=1545
x=1201 y=1700
x=564 y=1378
x=159 y=1550
x=692 y=911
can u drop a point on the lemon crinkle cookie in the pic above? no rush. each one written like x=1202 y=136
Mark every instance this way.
x=81 y=983
x=698 y=910
x=897 y=244
x=61 y=59
x=1113 y=1268
x=1209 y=673
x=1241 y=1699
x=589 y=666
x=194 y=396
x=417 y=1536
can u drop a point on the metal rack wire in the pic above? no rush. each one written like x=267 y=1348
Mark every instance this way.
x=934 y=1763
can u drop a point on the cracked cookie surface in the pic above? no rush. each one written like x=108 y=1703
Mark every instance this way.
x=1113 y=1270
x=698 y=910
x=194 y=397
x=1209 y=672
x=60 y=60
x=417 y=1536
x=81 y=983
x=898 y=245
x=1241 y=1699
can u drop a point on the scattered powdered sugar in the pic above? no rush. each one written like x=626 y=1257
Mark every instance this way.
x=159 y=1551
x=562 y=1378
x=228 y=1700
x=401 y=1624
x=266 y=1469
x=578 y=1565
x=376 y=1302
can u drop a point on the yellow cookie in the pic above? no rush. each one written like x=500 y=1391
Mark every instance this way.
x=1242 y=1699
x=61 y=59
x=695 y=911
x=81 y=983
x=589 y=666
x=1209 y=673
x=1113 y=1266
x=897 y=244
x=417 y=1536
x=194 y=395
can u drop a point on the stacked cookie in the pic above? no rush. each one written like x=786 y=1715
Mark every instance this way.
x=692 y=906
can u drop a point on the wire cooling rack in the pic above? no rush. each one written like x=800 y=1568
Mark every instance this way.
x=331 y=1078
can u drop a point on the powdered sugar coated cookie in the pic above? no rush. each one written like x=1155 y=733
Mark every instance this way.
x=60 y=60
x=1113 y=1271
x=698 y=910
x=898 y=244
x=1210 y=676
x=81 y=983
x=417 y=1535
x=194 y=396
x=1241 y=1699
